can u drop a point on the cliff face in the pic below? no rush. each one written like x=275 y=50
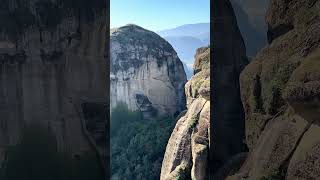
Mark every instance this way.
x=229 y=58
x=146 y=72
x=280 y=95
x=187 y=151
x=250 y=17
x=53 y=72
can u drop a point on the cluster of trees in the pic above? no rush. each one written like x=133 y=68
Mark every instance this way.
x=36 y=157
x=137 y=145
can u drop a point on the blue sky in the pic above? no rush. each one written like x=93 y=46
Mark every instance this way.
x=158 y=15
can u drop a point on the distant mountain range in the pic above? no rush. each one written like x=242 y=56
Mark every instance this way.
x=186 y=39
x=199 y=30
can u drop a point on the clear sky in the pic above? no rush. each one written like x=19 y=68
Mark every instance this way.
x=158 y=15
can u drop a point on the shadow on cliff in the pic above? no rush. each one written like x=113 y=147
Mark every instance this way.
x=36 y=157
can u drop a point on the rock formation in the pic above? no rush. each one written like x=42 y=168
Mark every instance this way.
x=229 y=58
x=187 y=154
x=146 y=73
x=53 y=72
x=187 y=151
x=280 y=91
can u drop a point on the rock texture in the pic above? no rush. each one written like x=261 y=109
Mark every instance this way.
x=146 y=72
x=229 y=58
x=187 y=151
x=53 y=72
x=280 y=95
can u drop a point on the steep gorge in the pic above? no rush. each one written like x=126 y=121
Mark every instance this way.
x=201 y=144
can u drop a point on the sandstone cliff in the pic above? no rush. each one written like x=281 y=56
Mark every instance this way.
x=146 y=73
x=280 y=95
x=53 y=72
x=187 y=151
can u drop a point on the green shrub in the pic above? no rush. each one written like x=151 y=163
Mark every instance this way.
x=120 y=115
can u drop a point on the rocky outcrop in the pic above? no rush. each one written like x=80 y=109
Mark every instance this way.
x=187 y=151
x=53 y=72
x=146 y=73
x=202 y=60
x=229 y=58
x=280 y=95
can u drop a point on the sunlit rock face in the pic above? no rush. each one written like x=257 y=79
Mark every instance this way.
x=146 y=73
x=187 y=151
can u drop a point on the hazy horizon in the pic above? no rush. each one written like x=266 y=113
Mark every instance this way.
x=157 y=15
x=170 y=28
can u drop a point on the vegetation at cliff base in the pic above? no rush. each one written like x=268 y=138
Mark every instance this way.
x=137 y=145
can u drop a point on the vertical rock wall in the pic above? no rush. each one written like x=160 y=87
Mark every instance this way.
x=52 y=62
x=229 y=58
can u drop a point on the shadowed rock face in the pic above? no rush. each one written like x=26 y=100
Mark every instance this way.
x=280 y=95
x=250 y=17
x=52 y=66
x=229 y=58
x=146 y=72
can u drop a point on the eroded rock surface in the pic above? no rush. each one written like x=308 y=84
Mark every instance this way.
x=187 y=151
x=144 y=65
x=280 y=95
x=52 y=63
